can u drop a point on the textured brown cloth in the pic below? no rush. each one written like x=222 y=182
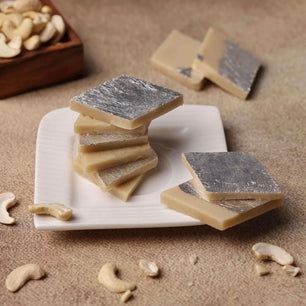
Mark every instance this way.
x=120 y=37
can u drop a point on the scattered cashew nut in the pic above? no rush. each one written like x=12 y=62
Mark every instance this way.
x=27 y=5
x=7 y=199
x=56 y=210
x=18 y=277
x=272 y=252
x=126 y=296
x=48 y=32
x=291 y=270
x=15 y=43
x=149 y=267
x=59 y=24
x=261 y=270
x=32 y=43
x=108 y=278
x=193 y=259
x=24 y=29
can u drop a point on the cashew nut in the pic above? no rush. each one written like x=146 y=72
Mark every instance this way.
x=149 y=267
x=108 y=278
x=59 y=24
x=291 y=270
x=56 y=210
x=15 y=43
x=18 y=277
x=7 y=7
x=272 y=252
x=32 y=43
x=14 y=17
x=24 y=30
x=193 y=259
x=126 y=296
x=261 y=270
x=27 y=5
x=7 y=200
x=48 y=32
x=39 y=20
x=46 y=10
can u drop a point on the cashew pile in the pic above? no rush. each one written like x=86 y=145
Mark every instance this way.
x=27 y=24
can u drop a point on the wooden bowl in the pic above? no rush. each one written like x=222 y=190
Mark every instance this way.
x=45 y=66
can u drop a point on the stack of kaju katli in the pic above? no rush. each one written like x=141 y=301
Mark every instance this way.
x=227 y=189
x=217 y=59
x=114 y=152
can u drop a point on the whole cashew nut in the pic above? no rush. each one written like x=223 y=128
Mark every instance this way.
x=48 y=32
x=18 y=277
x=59 y=24
x=7 y=7
x=108 y=278
x=7 y=199
x=56 y=210
x=39 y=20
x=24 y=30
x=272 y=252
x=32 y=43
x=27 y=5
x=15 y=43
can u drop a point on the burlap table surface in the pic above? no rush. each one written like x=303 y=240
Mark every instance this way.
x=120 y=37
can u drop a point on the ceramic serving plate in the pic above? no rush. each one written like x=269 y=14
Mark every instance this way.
x=187 y=128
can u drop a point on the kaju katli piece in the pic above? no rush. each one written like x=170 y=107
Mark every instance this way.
x=230 y=176
x=226 y=64
x=175 y=57
x=126 y=102
x=222 y=214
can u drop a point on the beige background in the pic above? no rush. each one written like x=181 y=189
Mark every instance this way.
x=119 y=37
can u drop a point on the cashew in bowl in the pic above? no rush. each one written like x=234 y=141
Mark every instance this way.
x=108 y=278
x=24 y=29
x=291 y=270
x=59 y=24
x=18 y=277
x=46 y=10
x=48 y=32
x=56 y=210
x=149 y=267
x=39 y=20
x=27 y=5
x=32 y=43
x=272 y=252
x=7 y=199
x=7 y=7
x=15 y=43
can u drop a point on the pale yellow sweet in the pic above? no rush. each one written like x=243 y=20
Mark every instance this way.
x=216 y=49
x=122 y=191
x=108 y=178
x=175 y=57
x=100 y=142
x=110 y=158
x=87 y=125
x=220 y=214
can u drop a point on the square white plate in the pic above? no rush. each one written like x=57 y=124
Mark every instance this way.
x=187 y=128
